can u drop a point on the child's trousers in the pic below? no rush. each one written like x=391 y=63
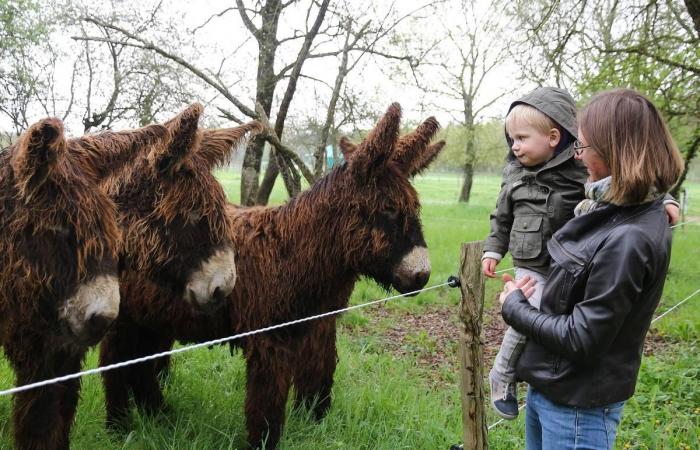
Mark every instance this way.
x=513 y=342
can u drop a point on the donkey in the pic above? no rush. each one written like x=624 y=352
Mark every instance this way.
x=300 y=259
x=58 y=264
x=177 y=238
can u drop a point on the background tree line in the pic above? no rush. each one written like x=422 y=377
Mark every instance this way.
x=316 y=69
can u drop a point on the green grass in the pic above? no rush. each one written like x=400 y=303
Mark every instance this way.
x=382 y=401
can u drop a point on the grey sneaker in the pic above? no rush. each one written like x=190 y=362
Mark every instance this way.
x=504 y=397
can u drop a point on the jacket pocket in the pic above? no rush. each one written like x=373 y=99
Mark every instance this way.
x=526 y=236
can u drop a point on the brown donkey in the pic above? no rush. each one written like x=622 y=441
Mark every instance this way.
x=300 y=259
x=58 y=265
x=176 y=237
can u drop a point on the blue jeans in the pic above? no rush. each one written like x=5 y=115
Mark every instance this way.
x=551 y=426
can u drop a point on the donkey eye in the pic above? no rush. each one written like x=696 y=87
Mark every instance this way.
x=391 y=213
x=193 y=217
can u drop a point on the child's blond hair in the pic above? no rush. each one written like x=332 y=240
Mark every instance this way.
x=526 y=115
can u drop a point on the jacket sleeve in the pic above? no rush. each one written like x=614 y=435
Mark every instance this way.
x=501 y=221
x=611 y=291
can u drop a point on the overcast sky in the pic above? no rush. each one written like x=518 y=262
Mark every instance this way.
x=374 y=77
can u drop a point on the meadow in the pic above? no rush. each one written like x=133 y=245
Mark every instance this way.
x=396 y=386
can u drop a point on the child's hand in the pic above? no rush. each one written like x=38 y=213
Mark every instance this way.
x=673 y=212
x=488 y=265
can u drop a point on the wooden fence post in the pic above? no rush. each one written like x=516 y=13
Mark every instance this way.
x=470 y=348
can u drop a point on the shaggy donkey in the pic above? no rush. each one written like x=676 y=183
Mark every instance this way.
x=176 y=237
x=58 y=266
x=293 y=261
x=172 y=213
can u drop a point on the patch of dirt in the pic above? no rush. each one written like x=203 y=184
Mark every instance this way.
x=657 y=342
x=431 y=336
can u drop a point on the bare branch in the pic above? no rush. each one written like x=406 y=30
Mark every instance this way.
x=197 y=72
x=271 y=137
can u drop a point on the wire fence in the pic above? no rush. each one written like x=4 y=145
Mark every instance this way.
x=224 y=340
x=697 y=291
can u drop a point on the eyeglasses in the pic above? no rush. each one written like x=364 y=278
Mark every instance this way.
x=578 y=147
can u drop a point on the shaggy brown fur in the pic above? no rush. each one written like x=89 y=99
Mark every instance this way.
x=59 y=231
x=293 y=261
x=172 y=212
x=171 y=207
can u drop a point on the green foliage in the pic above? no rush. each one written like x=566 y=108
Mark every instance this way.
x=490 y=144
x=20 y=25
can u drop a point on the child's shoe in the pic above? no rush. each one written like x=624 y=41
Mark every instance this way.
x=503 y=397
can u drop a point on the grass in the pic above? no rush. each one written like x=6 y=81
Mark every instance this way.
x=383 y=401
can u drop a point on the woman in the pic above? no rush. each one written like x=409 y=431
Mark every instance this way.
x=606 y=277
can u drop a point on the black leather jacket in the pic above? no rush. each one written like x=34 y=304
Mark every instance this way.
x=606 y=277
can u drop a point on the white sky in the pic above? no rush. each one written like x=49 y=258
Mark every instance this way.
x=372 y=77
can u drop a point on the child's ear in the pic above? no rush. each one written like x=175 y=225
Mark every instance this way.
x=554 y=137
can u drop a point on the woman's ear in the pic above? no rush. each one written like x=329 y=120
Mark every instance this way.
x=554 y=138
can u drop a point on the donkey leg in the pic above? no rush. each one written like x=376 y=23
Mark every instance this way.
x=314 y=368
x=43 y=416
x=68 y=407
x=268 y=381
x=116 y=347
x=144 y=377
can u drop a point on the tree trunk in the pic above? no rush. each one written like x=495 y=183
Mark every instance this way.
x=250 y=171
x=268 y=181
x=291 y=175
x=467 y=183
x=470 y=150
x=693 y=7
x=264 y=94
x=690 y=154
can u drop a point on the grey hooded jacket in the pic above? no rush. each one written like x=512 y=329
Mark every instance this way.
x=534 y=202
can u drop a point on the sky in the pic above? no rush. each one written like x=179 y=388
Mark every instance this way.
x=378 y=81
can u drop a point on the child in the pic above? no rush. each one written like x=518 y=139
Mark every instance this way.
x=542 y=184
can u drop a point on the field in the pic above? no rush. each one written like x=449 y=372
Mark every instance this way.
x=396 y=383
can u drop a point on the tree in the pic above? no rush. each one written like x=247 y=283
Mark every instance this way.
x=21 y=28
x=652 y=46
x=471 y=52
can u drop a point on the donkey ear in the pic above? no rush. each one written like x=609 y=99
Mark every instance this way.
x=347 y=148
x=217 y=144
x=422 y=161
x=109 y=152
x=185 y=137
x=410 y=148
x=38 y=150
x=376 y=149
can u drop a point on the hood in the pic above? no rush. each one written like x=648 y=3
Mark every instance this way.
x=556 y=103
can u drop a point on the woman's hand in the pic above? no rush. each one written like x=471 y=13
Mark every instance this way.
x=525 y=284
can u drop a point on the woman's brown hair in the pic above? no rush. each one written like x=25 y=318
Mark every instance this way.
x=628 y=133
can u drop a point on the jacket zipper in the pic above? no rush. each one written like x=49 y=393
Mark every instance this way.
x=569 y=254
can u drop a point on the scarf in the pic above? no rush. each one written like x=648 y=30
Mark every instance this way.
x=596 y=191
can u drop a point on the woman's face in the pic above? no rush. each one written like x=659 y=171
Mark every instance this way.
x=597 y=168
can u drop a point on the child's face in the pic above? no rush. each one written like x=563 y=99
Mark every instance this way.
x=531 y=146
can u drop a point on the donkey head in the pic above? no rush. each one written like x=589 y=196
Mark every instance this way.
x=389 y=234
x=172 y=211
x=61 y=233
